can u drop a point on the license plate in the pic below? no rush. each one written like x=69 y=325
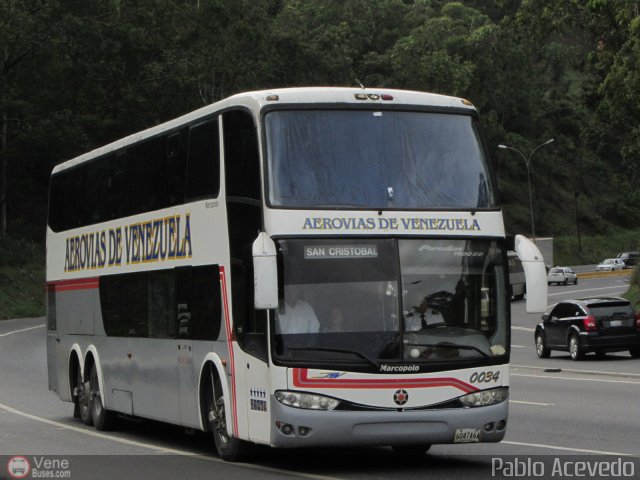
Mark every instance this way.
x=615 y=323
x=467 y=435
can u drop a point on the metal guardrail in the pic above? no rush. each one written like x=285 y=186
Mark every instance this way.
x=615 y=273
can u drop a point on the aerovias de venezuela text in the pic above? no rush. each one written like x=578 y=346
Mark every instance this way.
x=157 y=240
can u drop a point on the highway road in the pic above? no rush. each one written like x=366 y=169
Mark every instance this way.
x=558 y=408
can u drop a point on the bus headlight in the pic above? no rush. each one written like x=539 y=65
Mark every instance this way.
x=485 y=397
x=306 y=400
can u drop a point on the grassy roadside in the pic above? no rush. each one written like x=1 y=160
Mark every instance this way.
x=22 y=278
x=633 y=294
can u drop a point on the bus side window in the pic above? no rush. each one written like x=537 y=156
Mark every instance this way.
x=198 y=302
x=250 y=324
x=206 y=309
x=242 y=158
x=161 y=304
x=203 y=165
x=124 y=304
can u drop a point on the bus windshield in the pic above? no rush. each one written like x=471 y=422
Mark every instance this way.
x=402 y=160
x=381 y=301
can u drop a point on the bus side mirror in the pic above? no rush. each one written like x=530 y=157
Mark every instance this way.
x=265 y=273
x=535 y=274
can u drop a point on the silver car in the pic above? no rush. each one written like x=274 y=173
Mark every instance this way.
x=562 y=275
x=610 y=264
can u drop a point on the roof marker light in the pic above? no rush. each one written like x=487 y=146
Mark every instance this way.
x=272 y=98
x=466 y=102
x=386 y=96
x=361 y=96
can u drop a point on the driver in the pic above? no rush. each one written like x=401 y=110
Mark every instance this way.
x=297 y=316
x=421 y=317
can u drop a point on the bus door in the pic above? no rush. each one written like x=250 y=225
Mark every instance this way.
x=244 y=220
x=53 y=340
x=250 y=327
x=199 y=317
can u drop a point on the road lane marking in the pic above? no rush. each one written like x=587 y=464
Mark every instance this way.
x=577 y=379
x=172 y=451
x=571 y=449
x=575 y=370
x=523 y=329
x=532 y=403
x=22 y=330
x=517 y=346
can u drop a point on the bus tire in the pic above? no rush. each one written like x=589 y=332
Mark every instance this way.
x=102 y=418
x=411 y=450
x=82 y=400
x=229 y=448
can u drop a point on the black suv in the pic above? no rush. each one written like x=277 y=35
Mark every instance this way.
x=597 y=325
x=630 y=259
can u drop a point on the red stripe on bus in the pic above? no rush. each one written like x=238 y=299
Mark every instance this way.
x=227 y=319
x=301 y=379
x=75 y=284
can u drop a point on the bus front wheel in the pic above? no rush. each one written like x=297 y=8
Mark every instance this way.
x=229 y=447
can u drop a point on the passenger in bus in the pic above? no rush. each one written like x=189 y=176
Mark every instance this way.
x=336 y=322
x=296 y=315
x=422 y=316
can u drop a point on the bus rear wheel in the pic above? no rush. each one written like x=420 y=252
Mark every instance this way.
x=229 y=447
x=102 y=418
x=81 y=399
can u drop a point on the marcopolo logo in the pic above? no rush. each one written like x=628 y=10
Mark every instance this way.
x=399 y=368
x=18 y=467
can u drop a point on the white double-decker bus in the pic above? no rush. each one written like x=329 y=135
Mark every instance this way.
x=296 y=267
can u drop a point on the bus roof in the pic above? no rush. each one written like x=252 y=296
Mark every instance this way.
x=256 y=100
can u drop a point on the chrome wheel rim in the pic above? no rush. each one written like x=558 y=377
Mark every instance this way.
x=539 y=345
x=218 y=422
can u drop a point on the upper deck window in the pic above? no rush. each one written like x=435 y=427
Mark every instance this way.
x=375 y=159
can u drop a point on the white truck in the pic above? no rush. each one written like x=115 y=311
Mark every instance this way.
x=545 y=245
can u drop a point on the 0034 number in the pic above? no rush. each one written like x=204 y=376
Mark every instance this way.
x=485 y=377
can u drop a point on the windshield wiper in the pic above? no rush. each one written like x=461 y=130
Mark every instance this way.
x=449 y=345
x=338 y=350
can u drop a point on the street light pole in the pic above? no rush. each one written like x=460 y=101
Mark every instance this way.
x=527 y=162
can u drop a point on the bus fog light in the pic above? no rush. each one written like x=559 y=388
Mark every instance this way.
x=286 y=429
x=307 y=401
x=501 y=425
x=485 y=397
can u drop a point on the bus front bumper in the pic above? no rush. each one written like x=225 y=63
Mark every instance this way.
x=295 y=427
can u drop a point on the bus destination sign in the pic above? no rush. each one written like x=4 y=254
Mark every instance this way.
x=323 y=252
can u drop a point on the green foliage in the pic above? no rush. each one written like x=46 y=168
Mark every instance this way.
x=633 y=294
x=594 y=248
x=22 y=278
